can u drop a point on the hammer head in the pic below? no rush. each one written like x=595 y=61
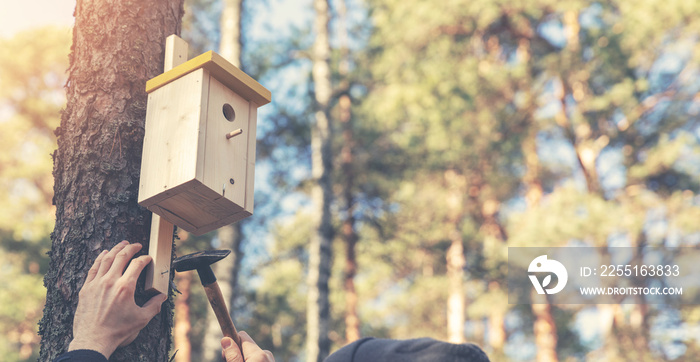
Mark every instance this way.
x=199 y=259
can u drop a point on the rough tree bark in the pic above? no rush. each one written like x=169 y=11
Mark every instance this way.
x=318 y=304
x=117 y=46
x=229 y=236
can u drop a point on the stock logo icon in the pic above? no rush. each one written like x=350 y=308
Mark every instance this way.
x=543 y=265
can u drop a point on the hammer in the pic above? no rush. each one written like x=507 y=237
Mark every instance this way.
x=201 y=261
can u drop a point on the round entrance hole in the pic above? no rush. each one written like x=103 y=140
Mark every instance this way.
x=229 y=113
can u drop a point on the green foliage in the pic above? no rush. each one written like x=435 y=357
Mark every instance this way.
x=605 y=93
x=462 y=85
x=569 y=214
x=32 y=74
x=21 y=303
x=278 y=299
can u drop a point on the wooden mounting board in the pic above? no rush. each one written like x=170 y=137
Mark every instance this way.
x=160 y=248
x=160 y=245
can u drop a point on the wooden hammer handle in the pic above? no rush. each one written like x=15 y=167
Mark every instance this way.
x=219 y=306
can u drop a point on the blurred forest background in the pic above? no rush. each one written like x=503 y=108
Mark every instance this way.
x=437 y=135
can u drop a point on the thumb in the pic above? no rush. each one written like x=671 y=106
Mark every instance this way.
x=230 y=350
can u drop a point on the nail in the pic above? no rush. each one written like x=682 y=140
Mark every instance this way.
x=226 y=343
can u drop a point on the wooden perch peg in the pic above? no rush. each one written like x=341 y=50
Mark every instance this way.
x=233 y=133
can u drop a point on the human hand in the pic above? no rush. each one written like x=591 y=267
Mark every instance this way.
x=107 y=316
x=251 y=351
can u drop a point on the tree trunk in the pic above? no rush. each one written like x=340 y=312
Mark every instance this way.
x=183 y=326
x=494 y=238
x=229 y=236
x=545 y=328
x=456 y=186
x=497 y=330
x=352 y=320
x=582 y=139
x=231 y=44
x=455 y=300
x=117 y=46
x=183 y=323
x=318 y=304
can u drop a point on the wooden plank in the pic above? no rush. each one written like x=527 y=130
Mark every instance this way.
x=238 y=81
x=225 y=159
x=202 y=136
x=172 y=146
x=160 y=249
x=172 y=218
x=222 y=70
x=250 y=161
x=161 y=239
x=229 y=220
x=195 y=208
x=175 y=52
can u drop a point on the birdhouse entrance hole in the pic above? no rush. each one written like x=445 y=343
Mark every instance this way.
x=229 y=113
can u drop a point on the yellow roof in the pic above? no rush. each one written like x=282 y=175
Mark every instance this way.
x=223 y=71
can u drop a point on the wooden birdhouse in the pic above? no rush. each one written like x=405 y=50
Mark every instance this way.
x=198 y=163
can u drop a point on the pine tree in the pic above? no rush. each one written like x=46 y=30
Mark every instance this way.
x=116 y=48
x=320 y=248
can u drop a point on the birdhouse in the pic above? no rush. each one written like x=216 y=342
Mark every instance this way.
x=198 y=162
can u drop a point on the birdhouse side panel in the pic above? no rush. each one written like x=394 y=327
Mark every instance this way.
x=174 y=137
x=250 y=159
x=226 y=145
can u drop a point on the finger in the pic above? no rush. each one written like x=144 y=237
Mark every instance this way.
x=152 y=307
x=250 y=348
x=95 y=266
x=123 y=258
x=132 y=272
x=230 y=351
x=107 y=260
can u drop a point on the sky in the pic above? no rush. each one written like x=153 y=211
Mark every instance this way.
x=16 y=16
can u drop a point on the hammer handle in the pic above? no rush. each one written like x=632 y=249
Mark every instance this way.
x=219 y=306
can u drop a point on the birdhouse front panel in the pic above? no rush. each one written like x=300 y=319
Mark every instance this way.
x=199 y=149
x=226 y=143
